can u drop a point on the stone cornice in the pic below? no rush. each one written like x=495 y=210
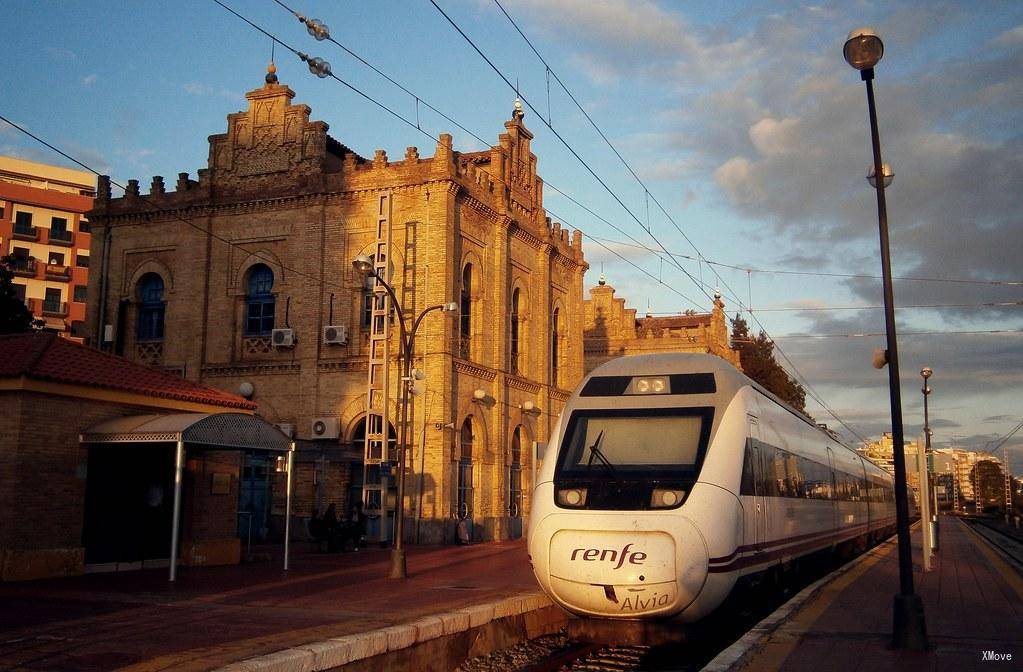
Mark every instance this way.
x=199 y=209
x=527 y=237
x=346 y=366
x=254 y=369
x=558 y=394
x=521 y=384
x=481 y=207
x=475 y=370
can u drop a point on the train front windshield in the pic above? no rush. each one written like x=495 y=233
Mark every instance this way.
x=635 y=442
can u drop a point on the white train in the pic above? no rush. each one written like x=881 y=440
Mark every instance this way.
x=669 y=477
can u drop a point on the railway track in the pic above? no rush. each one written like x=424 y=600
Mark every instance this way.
x=704 y=640
x=1008 y=544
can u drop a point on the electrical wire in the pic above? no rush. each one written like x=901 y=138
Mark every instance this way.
x=809 y=388
x=822 y=274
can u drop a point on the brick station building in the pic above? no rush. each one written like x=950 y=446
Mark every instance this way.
x=242 y=279
x=612 y=330
x=67 y=502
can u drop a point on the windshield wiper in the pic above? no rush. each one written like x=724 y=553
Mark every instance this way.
x=595 y=452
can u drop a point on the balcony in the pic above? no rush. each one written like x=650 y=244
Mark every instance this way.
x=25 y=232
x=54 y=308
x=58 y=272
x=32 y=305
x=62 y=237
x=22 y=267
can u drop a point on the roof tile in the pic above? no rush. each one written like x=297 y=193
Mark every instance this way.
x=45 y=356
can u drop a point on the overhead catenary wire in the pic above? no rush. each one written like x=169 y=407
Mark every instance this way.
x=157 y=210
x=565 y=143
x=808 y=388
x=417 y=126
x=824 y=274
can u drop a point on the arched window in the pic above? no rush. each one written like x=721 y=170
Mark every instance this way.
x=151 y=308
x=555 y=345
x=259 y=301
x=515 y=475
x=465 y=326
x=464 y=501
x=515 y=330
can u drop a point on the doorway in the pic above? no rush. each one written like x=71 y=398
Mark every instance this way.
x=128 y=506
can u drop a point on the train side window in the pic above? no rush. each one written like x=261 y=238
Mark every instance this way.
x=746 y=487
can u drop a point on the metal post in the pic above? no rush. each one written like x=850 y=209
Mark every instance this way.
x=287 y=506
x=399 y=568
x=925 y=506
x=909 y=627
x=179 y=468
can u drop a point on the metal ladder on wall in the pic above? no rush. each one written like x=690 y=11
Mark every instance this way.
x=377 y=459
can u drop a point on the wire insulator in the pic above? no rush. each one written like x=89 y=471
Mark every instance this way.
x=317 y=29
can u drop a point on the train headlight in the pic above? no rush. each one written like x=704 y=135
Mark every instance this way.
x=572 y=497
x=666 y=498
x=649 y=385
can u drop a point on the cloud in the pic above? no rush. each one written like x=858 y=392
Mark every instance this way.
x=203 y=90
x=1010 y=38
x=89 y=80
x=61 y=54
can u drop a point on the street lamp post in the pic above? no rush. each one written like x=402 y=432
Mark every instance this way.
x=863 y=49
x=363 y=264
x=932 y=524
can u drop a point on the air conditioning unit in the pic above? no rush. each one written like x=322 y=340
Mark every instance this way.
x=325 y=428
x=287 y=428
x=335 y=334
x=283 y=338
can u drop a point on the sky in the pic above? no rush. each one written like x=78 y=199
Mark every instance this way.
x=723 y=147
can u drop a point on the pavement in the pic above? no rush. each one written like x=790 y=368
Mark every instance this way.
x=335 y=609
x=973 y=608
x=213 y=617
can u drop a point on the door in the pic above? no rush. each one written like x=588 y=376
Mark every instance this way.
x=757 y=459
x=465 y=494
x=515 y=501
x=128 y=505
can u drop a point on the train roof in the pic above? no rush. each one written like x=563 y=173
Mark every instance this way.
x=729 y=379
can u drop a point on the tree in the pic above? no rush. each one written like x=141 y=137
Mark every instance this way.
x=15 y=317
x=757 y=357
x=990 y=481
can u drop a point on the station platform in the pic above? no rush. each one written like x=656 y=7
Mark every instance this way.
x=973 y=607
x=329 y=610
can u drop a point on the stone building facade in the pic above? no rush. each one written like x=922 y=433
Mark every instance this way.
x=612 y=330
x=199 y=279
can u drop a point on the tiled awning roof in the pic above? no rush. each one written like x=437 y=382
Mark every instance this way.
x=46 y=357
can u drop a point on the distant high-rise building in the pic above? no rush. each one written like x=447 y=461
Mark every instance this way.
x=881 y=453
x=44 y=230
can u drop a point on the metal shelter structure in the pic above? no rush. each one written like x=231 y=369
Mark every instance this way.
x=197 y=431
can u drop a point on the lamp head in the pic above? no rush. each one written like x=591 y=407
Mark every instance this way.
x=926 y=372
x=363 y=264
x=863 y=48
x=886 y=170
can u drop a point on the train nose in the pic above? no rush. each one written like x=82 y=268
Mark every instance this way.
x=628 y=574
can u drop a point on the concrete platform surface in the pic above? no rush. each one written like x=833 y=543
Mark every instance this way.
x=973 y=608
x=217 y=616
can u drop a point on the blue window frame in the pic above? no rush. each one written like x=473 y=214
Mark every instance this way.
x=151 y=308
x=259 y=302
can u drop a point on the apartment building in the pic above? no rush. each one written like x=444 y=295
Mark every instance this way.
x=44 y=230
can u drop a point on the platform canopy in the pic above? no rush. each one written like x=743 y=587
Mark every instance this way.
x=198 y=431
x=216 y=431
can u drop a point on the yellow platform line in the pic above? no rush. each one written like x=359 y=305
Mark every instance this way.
x=1008 y=573
x=782 y=642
